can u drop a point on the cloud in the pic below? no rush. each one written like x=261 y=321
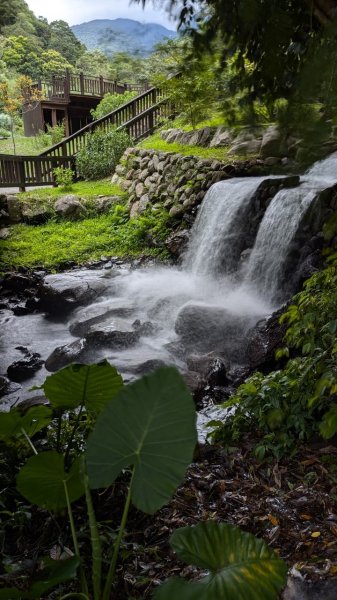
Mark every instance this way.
x=79 y=11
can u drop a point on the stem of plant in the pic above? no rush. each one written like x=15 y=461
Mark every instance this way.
x=29 y=441
x=75 y=595
x=72 y=435
x=84 y=585
x=59 y=425
x=113 y=563
x=95 y=543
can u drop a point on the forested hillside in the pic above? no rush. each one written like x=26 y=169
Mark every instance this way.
x=111 y=36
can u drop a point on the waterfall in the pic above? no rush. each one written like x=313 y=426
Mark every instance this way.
x=276 y=239
x=214 y=247
x=267 y=263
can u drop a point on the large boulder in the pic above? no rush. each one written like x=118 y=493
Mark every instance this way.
x=176 y=242
x=69 y=207
x=263 y=340
x=64 y=355
x=273 y=143
x=25 y=368
x=60 y=294
x=207 y=327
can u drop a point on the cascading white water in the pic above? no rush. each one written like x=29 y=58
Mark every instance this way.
x=217 y=231
x=266 y=267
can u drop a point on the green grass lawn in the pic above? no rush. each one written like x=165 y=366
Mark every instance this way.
x=155 y=142
x=85 y=189
x=28 y=146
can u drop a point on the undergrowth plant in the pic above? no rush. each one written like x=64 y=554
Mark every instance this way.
x=299 y=401
x=64 y=178
x=101 y=153
x=145 y=430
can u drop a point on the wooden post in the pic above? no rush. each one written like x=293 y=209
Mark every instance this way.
x=67 y=85
x=82 y=83
x=53 y=117
x=101 y=86
x=22 y=176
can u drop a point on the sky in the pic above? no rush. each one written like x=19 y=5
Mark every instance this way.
x=79 y=11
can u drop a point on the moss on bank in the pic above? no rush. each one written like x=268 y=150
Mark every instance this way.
x=57 y=242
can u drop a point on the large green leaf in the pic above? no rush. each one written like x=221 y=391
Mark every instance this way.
x=240 y=565
x=150 y=425
x=92 y=385
x=13 y=422
x=55 y=573
x=41 y=480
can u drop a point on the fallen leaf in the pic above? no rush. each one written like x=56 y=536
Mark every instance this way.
x=315 y=534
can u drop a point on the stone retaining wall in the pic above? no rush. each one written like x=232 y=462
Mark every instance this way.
x=175 y=182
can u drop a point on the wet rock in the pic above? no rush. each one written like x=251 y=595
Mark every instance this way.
x=144 y=329
x=65 y=355
x=4 y=383
x=195 y=383
x=206 y=326
x=60 y=294
x=211 y=367
x=147 y=367
x=118 y=340
x=69 y=207
x=82 y=328
x=28 y=403
x=177 y=241
x=17 y=282
x=20 y=309
x=263 y=340
x=25 y=368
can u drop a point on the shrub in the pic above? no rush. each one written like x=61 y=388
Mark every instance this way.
x=64 y=177
x=111 y=102
x=5 y=122
x=298 y=402
x=56 y=133
x=100 y=155
x=4 y=133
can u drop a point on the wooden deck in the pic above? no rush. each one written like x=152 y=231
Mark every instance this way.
x=139 y=117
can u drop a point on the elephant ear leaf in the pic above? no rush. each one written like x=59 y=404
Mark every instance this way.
x=91 y=385
x=150 y=425
x=13 y=423
x=240 y=565
x=41 y=480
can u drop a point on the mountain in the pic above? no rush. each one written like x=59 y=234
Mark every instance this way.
x=121 y=35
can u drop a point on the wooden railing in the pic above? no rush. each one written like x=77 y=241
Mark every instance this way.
x=23 y=171
x=139 y=118
x=61 y=87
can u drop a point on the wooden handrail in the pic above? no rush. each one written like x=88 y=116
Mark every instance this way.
x=111 y=118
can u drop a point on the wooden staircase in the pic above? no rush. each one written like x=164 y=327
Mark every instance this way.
x=139 y=117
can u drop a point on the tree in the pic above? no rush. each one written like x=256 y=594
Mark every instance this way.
x=93 y=63
x=20 y=54
x=63 y=40
x=22 y=97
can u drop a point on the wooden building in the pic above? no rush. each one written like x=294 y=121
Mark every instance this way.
x=69 y=99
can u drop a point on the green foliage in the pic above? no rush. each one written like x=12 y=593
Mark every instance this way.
x=64 y=41
x=92 y=386
x=64 y=177
x=56 y=133
x=54 y=573
x=155 y=142
x=42 y=481
x=161 y=419
x=111 y=102
x=14 y=423
x=113 y=234
x=24 y=56
x=240 y=566
x=101 y=153
x=298 y=402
